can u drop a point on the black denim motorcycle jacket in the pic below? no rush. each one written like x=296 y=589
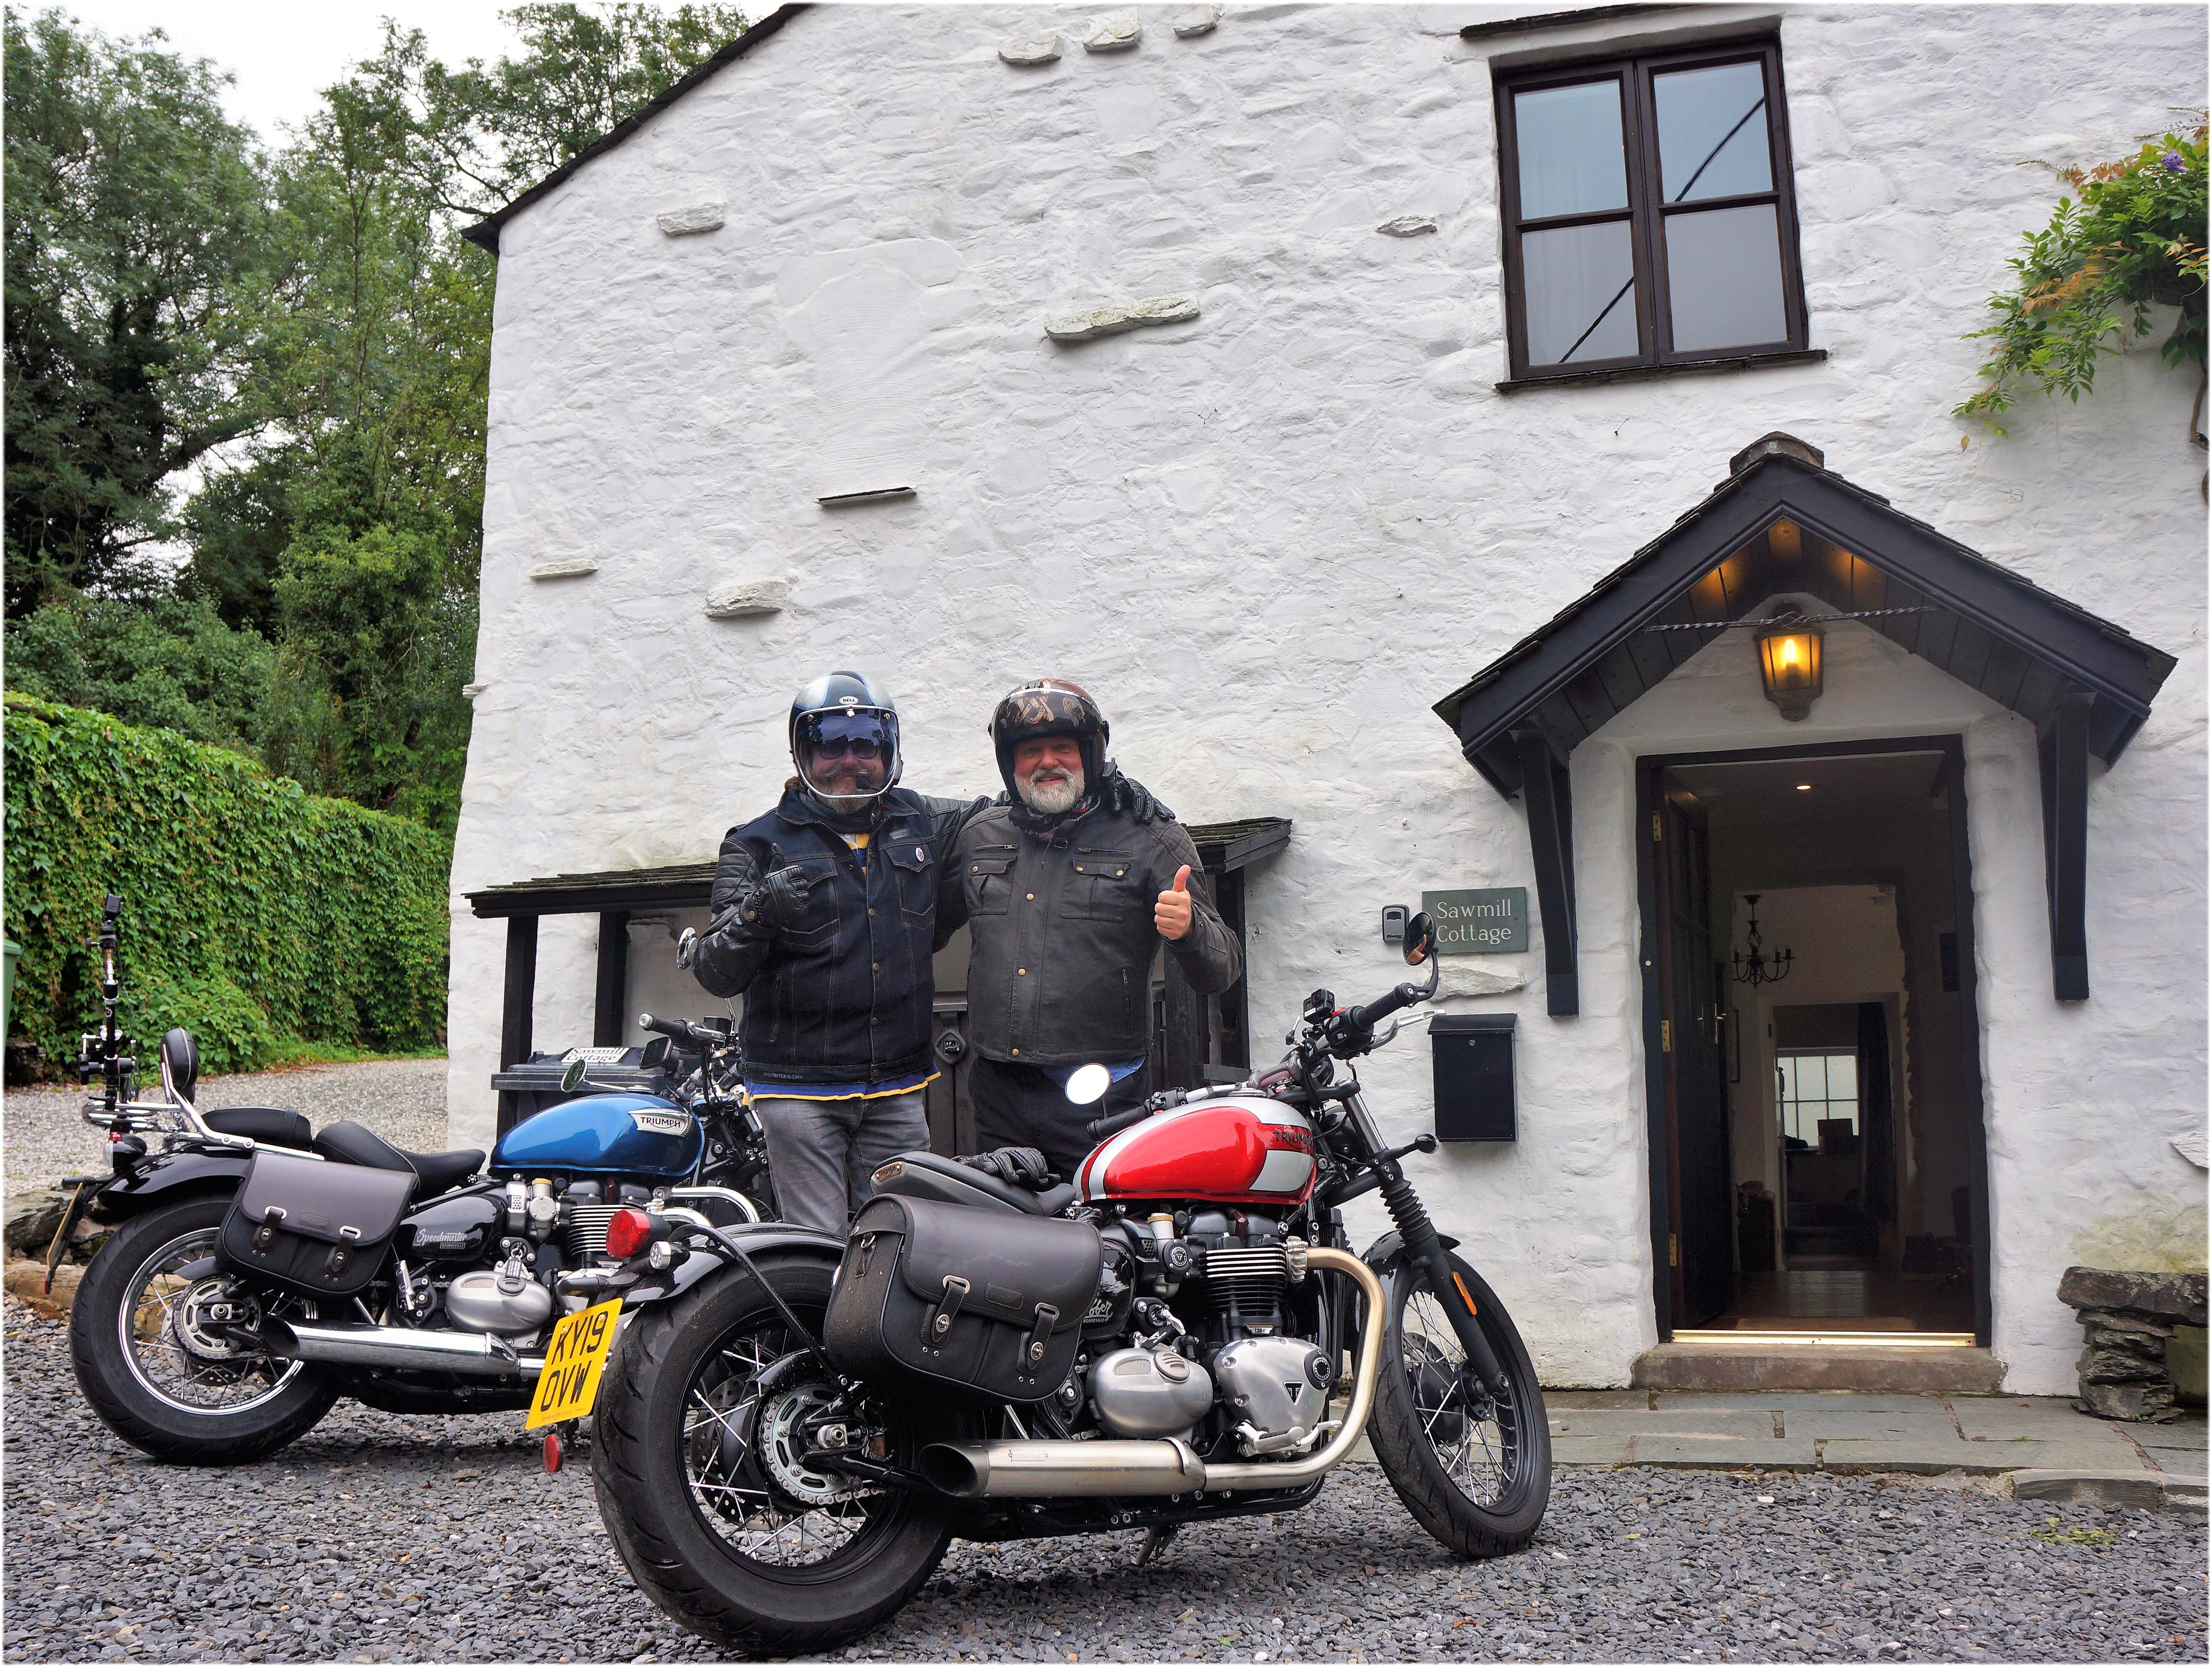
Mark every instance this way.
x=843 y=995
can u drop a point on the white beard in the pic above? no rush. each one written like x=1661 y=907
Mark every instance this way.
x=1050 y=798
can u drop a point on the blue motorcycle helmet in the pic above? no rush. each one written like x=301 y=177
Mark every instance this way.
x=844 y=714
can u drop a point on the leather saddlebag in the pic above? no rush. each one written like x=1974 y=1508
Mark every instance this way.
x=318 y=1228
x=982 y=1300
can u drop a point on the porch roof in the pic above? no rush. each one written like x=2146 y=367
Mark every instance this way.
x=1782 y=522
x=1223 y=848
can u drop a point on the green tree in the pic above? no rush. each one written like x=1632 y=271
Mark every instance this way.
x=137 y=261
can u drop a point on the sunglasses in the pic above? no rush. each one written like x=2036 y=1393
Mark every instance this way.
x=865 y=748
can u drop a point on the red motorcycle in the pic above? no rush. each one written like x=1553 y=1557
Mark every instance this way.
x=792 y=1429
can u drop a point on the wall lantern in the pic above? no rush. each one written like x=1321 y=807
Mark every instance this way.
x=1789 y=663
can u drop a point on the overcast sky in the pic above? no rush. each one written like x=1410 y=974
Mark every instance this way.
x=283 y=52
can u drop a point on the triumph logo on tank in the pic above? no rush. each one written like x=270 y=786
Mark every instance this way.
x=661 y=1123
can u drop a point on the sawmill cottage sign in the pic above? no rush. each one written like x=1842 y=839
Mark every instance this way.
x=1479 y=923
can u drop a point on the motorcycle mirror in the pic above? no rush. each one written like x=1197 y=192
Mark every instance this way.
x=1087 y=1084
x=687 y=947
x=653 y=1052
x=1420 y=939
x=573 y=1078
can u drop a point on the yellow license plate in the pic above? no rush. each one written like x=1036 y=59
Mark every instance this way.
x=570 y=1380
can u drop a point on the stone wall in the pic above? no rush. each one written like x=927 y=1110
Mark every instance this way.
x=1269 y=536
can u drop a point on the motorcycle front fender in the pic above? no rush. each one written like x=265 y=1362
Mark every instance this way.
x=1387 y=1252
x=166 y=1178
x=769 y=1242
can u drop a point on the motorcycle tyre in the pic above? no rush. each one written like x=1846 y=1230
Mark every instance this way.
x=644 y=1500
x=1408 y=1458
x=124 y=1405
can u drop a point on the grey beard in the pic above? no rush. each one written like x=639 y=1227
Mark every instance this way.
x=1050 y=798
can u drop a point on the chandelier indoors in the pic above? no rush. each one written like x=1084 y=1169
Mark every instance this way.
x=1754 y=966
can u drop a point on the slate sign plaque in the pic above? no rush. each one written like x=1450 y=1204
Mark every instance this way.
x=1479 y=923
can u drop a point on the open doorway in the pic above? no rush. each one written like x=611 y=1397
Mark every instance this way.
x=1816 y=1114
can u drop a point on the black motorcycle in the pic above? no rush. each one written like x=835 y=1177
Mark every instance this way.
x=260 y=1269
x=792 y=1428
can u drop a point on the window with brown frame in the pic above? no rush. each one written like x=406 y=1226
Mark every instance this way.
x=1649 y=218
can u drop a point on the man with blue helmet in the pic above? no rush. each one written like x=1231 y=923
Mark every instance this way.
x=824 y=914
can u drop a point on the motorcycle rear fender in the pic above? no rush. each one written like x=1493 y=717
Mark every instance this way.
x=168 y=1178
x=769 y=1242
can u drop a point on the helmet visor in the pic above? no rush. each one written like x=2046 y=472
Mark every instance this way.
x=846 y=755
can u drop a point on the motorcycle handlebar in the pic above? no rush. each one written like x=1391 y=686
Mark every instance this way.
x=681 y=1030
x=1366 y=1018
x=1099 y=1128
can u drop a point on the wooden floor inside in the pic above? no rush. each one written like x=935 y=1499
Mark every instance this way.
x=1845 y=1299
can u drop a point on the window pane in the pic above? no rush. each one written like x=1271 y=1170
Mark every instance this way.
x=1713 y=133
x=1843 y=1077
x=1569 y=139
x=1580 y=283
x=1724 y=278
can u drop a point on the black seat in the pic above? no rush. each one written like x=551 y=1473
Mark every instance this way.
x=269 y=1125
x=354 y=1143
x=926 y=1175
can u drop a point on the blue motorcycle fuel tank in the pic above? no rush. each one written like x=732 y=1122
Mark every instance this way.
x=623 y=1134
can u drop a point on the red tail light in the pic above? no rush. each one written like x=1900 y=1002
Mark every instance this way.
x=628 y=1232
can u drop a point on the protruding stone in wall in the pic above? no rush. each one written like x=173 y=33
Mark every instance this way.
x=1128 y=315
x=1037 y=49
x=580 y=569
x=469 y=691
x=689 y=222
x=1113 y=34
x=1196 y=21
x=1408 y=225
x=1457 y=980
x=2192 y=1147
x=745 y=599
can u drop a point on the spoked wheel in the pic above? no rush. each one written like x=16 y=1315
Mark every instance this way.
x=1475 y=1468
x=161 y=1340
x=707 y=1459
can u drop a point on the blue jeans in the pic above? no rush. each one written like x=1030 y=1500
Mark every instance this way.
x=821 y=1152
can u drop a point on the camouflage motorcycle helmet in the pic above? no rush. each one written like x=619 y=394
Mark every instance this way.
x=1048 y=706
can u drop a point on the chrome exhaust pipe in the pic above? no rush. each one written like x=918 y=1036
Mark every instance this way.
x=1062 y=1470
x=469 y=1352
x=1068 y=1470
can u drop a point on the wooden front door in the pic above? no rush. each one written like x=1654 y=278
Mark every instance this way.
x=1699 y=1256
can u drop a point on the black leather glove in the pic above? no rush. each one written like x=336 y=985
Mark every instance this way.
x=778 y=902
x=1017 y=1166
x=1130 y=799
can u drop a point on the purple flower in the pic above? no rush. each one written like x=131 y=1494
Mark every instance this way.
x=2172 y=163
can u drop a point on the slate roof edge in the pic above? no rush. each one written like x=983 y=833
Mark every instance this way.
x=485 y=232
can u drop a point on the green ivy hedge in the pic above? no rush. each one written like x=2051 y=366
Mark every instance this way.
x=253 y=913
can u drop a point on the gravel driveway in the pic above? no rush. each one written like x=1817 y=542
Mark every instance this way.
x=383 y=1538
x=403 y=1100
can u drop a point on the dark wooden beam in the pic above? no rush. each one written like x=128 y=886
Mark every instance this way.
x=2062 y=750
x=1235 y=1001
x=517 y=1004
x=1183 y=1032
x=1551 y=841
x=613 y=979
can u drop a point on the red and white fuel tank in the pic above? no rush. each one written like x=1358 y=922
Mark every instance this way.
x=1232 y=1148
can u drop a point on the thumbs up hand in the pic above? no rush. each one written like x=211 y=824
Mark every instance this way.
x=1171 y=914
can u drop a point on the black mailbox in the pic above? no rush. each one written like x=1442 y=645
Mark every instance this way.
x=1473 y=1054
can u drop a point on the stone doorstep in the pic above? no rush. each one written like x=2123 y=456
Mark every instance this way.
x=26 y=1282
x=1742 y=1367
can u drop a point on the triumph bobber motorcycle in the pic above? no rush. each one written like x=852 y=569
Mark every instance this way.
x=261 y=1269
x=793 y=1427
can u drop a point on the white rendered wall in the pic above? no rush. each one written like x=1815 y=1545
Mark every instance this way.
x=1268 y=539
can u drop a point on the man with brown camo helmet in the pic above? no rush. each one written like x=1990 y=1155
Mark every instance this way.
x=1068 y=900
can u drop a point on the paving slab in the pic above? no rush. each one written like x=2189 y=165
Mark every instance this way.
x=1774 y=1400
x=2179 y=1463
x=1624 y=1421
x=2181 y=1438
x=1638 y=1399
x=1692 y=1452
x=1922 y=1456
x=2000 y=1418
x=1589 y=1449
x=1930 y=1420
